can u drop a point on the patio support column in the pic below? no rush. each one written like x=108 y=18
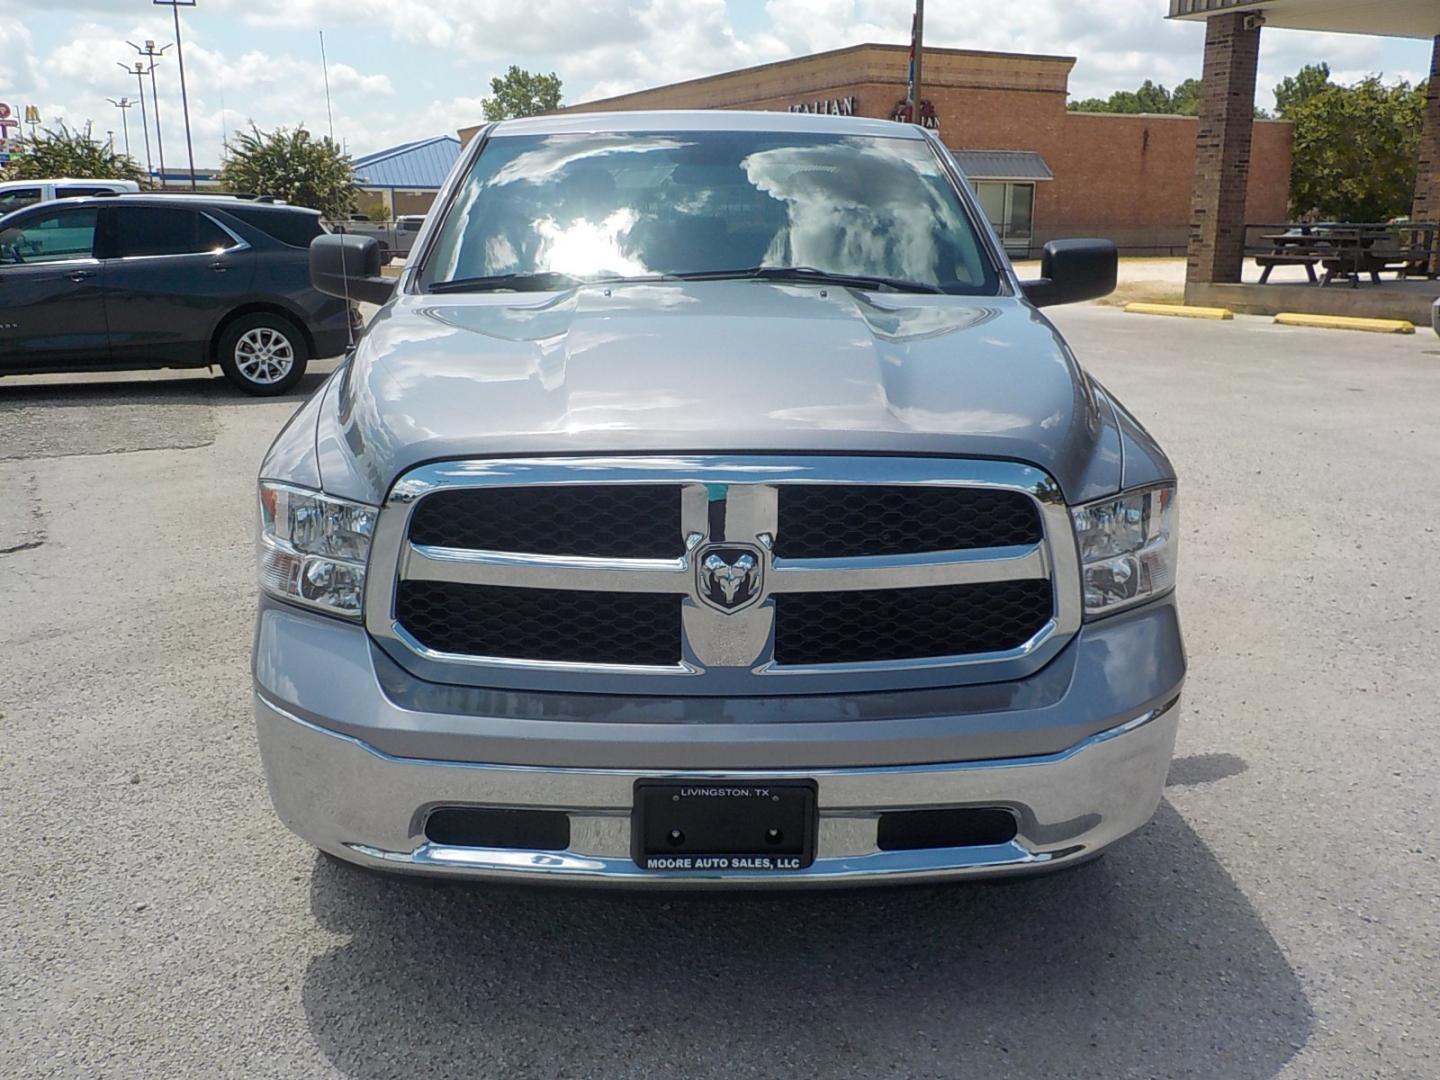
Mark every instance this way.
x=1426 y=207
x=1222 y=150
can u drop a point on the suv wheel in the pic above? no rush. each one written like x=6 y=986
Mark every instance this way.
x=263 y=354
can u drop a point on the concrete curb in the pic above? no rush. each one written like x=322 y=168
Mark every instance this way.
x=1180 y=311
x=1346 y=322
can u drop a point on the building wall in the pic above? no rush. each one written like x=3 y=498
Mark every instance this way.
x=413 y=202
x=1127 y=178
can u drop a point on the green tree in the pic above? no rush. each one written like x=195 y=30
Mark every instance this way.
x=522 y=93
x=1299 y=88
x=68 y=153
x=1185 y=100
x=292 y=166
x=1151 y=97
x=1356 y=149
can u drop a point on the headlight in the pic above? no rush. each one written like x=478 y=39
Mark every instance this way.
x=1127 y=548
x=313 y=548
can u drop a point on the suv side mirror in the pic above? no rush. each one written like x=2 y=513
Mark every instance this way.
x=1073 y=270
x=349 y=267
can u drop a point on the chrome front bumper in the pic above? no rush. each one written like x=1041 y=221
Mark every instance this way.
x=368 y=807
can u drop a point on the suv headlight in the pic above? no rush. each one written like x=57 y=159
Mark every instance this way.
x=313 y=548
x=1127 y=548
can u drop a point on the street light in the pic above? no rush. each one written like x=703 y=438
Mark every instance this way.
x=914 y=93
x=154 y=54
x=139 y=71
x=175 y=6
x=123 y=105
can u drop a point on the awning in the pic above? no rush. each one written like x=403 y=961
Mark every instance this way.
x=1388 y=18
x=1003 y=165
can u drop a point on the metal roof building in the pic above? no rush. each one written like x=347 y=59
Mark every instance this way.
x=1003 y=164
x=410 y=173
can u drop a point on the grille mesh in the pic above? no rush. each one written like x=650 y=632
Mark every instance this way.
x=829 y=521
x=542 y=624
x=908 y=624
x=635 y=521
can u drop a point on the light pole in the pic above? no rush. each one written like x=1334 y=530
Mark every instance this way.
x=917 y=48
x=123 y=105
x=154 y=54
x=139 y=72
x=175 y=6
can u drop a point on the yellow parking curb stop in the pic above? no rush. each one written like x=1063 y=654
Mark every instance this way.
x=1346 y=322
x=1180 y=311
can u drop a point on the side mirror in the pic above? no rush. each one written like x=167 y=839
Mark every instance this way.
x=1073 y=270
x=349 y=267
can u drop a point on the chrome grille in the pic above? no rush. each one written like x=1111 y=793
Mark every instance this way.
x=709 y=575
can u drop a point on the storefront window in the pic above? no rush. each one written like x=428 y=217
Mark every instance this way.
x=1010 y=207
x=992 y=201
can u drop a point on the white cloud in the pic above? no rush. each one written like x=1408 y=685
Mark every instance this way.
x=19 y=69
x=427 y=65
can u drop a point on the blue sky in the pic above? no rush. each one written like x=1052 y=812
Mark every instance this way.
x=404 y=69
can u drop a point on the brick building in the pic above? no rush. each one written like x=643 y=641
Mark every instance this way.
x=1041 y=171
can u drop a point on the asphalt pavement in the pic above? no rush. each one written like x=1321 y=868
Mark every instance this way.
x=1279 y=918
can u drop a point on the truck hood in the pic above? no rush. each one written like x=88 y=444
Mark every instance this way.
x=734 y=366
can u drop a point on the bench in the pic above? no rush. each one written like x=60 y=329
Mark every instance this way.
x=1280 y=257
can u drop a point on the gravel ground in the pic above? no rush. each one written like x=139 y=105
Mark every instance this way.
x=1279 y=918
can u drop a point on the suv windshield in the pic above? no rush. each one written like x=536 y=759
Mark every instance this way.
x=546 y=210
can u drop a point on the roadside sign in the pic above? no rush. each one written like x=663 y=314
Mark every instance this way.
x=7 y=121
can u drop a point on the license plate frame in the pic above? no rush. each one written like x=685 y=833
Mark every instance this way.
x=725 y=825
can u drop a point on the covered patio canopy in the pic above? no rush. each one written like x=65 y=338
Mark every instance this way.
x=1222 y=150
x=1384 y=18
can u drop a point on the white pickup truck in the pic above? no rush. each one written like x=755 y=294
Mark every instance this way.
x=18 y=194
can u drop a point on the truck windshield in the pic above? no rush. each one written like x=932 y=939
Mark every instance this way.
x=543 y=211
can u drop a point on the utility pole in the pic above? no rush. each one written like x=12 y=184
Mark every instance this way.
x=175 y=6
x=139 y=72
x=325 y=67
x=124 y=105
x=154 y=54
x=917 y=48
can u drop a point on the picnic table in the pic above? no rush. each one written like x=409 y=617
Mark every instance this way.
x=1342 y=251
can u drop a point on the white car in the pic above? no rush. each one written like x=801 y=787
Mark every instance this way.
x=18 y=194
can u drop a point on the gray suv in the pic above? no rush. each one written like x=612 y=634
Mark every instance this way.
x=153 y=281
x=710 y=504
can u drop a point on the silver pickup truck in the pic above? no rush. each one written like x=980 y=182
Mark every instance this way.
x=710 y=504
x=394 y=238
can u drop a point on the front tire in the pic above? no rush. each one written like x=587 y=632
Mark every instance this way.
x=263 y=354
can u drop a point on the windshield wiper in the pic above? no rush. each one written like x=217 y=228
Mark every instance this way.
x=539 y=282
x=547 y=280
x=812 y=274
